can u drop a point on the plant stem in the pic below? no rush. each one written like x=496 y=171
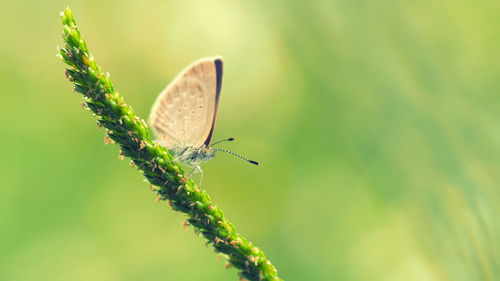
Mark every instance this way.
x=168 y=179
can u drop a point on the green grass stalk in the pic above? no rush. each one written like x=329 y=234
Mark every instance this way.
x=167 y=179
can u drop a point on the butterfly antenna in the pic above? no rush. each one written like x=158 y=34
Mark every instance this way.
x=229 y=139
x=237 y=155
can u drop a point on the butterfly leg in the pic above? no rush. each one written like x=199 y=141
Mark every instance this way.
x=186 y=177
x=201 y=173
x=190 y=172
x=177 y=158
x=195 y=168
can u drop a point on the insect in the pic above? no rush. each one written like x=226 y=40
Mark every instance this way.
x=183 y=116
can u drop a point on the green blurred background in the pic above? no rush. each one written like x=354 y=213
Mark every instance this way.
x=376 y=122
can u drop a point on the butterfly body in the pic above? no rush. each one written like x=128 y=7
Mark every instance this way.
x=193 y=156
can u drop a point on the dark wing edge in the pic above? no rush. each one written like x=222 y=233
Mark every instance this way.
x=218 y=72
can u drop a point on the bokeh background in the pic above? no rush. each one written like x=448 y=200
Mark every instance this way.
x=377 y=124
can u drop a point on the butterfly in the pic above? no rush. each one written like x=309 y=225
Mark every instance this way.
x=183 y=116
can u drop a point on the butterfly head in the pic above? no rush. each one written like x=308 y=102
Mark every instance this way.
x=205 y=153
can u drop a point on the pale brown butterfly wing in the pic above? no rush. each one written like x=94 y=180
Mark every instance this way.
x=184 y=113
